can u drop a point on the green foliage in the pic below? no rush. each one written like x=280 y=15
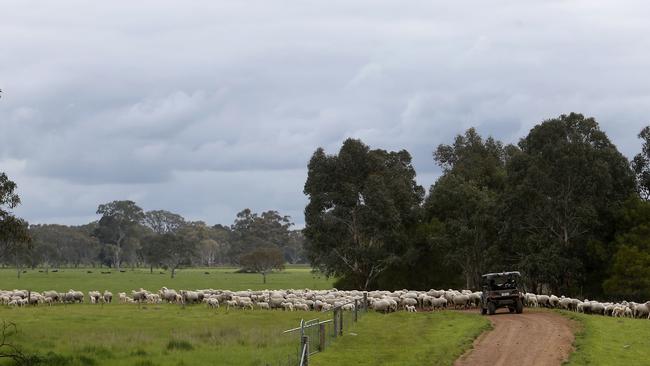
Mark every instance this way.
x=641 y=165
x=268 y=230
x=361 y=205
x=465 y=199
x=56 y=245
x=562 y=186
x=262 y=260
x=630 y=271
x=15 y=241
x=117 y=229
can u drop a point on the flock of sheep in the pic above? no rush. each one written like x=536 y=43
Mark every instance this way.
x=621 y=309
x=321 y=300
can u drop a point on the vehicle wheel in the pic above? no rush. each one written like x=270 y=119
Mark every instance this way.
x=483 y=311
x=519 y=307
x=491 y=308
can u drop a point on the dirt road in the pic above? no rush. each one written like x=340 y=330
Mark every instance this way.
x=532 y=338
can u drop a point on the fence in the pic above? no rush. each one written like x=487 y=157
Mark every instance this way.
x=315 y=335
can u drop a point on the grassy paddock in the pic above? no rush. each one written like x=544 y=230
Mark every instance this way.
x=610 y=341
x=434 y=338
x=194 y=278
x=153 y=335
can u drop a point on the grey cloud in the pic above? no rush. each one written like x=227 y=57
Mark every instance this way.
x=155 y=100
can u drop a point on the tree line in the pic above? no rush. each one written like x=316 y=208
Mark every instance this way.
x=563 y=206
x=127 y=236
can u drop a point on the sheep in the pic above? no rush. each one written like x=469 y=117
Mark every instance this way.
x=52 y=294
x=439 y=303
x=409 y=301
x=641 y=310
x=140 y=295
x=122 y=296
x=168 y=295
x=231 y=303
x=263 y=305
x=410 y=308
x=597 y=308
x=381 y=305
x=213 y=303
x=107 y=296
x=94 y=296
x=460 y=300
x=543 y=300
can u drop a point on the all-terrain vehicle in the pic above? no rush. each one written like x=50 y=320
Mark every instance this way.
x=501 y=290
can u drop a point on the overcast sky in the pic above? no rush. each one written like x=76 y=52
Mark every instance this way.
x=207 y=107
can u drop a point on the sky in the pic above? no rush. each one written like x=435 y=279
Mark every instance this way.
x=205 y=108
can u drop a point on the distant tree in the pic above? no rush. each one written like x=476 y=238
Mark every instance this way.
x=294 y=248
x=641 y=165
x=15 y=240
x=210 y=251
x=563 y=185
x=179 y=248
x=117 y=227
x=361 y=204
x=251 y=231
x=262 y=260
x=60 y=244
x=465 y=199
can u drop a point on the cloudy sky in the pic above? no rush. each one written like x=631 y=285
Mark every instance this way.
x=208 y=107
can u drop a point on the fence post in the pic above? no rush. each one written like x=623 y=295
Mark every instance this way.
x=304 y=343
x=336 y=322
x=321 y=337
x=356 y=310
x=341 y=322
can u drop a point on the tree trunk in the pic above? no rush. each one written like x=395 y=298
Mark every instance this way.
x=264 y=277
x=17 y=267
x=173 y=271
x=116 y=260
x=151 y=269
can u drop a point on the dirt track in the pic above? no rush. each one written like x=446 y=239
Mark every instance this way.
x=531 y=338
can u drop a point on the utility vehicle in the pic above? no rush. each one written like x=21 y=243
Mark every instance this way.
x=501 y=290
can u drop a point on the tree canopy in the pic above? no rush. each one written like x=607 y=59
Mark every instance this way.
x=361 y=203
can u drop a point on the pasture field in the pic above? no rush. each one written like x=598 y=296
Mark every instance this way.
x=607 y=341
x=169 y=335
x=401 y=338
x=125 y=334
x=191 y=278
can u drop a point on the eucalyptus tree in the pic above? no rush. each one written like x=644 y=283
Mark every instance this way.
x=465 y=200
x=361 y=204
x=564 y=184
x=118 y=227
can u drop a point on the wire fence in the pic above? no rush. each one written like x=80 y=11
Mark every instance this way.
x=316 y=335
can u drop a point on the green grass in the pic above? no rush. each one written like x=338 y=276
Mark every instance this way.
x=435 y=338
x=606 y=341
x=194 y=278
x=153 y=335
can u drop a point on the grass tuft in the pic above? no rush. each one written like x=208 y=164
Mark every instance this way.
x=179 y=344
